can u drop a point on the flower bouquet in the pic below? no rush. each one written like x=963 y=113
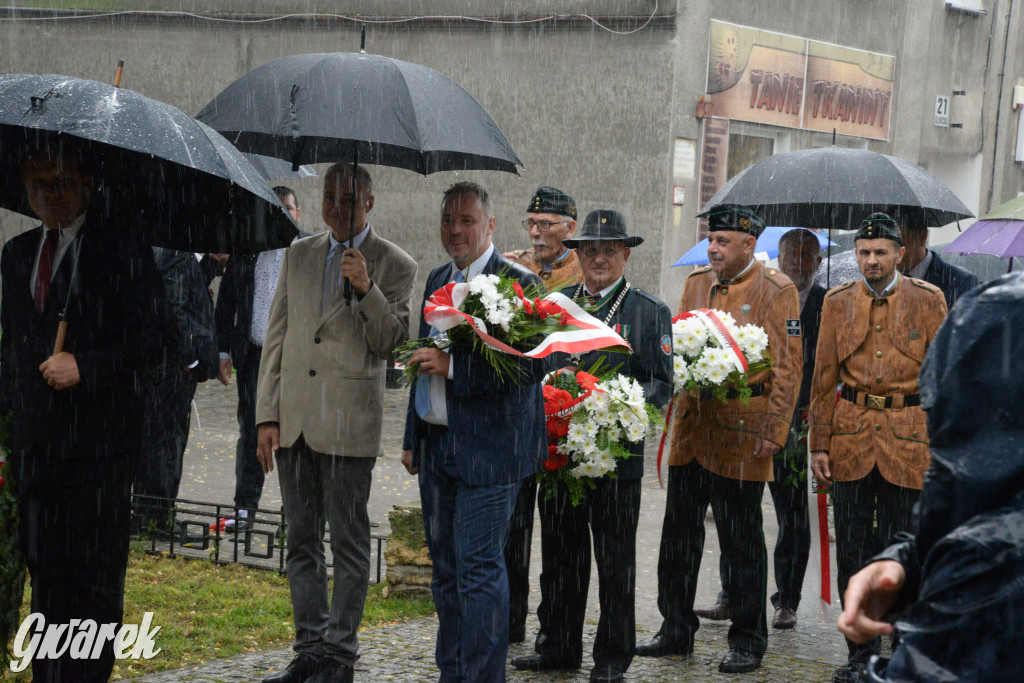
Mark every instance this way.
x=12 y=563
x=590 y=419
x=710 y=351
x=492 y=314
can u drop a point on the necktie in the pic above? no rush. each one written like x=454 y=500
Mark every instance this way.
x=421 y=400
x=593 y=299
x=332 y=282
x=45 y=271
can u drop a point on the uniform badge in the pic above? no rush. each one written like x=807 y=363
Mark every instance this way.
x=793 y=327
x=915 y=334
x=666 y=344
x=621 y=330
x=745 y=309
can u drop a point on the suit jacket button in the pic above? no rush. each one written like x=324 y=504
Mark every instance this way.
x=316 y=340
x=312 y=373
x=914 y=435
x=878 y=428
x=878 y=354
x=740 y=423
x=878 y=328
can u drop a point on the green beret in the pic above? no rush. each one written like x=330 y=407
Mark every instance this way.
x=879 y=226
x=552 y=200
x=735 y=217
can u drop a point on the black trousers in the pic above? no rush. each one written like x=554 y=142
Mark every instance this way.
x=75 y=514
x=857 y=506
x=517 y=557
x=158 y=472
x=249 y=476
x=610 y=512
x=793 y=545
x=737 y=508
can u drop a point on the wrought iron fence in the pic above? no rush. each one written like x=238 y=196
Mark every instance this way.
x=193 y=529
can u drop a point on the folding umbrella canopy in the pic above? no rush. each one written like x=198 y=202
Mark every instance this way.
x=836 y=187
x=176 y=179
x=767 y=243
x=999 y=232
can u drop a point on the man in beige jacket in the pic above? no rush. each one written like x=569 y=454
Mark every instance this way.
x=320 y=406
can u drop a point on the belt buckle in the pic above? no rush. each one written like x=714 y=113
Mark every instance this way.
x=874 y=402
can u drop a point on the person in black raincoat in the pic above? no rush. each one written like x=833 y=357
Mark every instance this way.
x=955 y=583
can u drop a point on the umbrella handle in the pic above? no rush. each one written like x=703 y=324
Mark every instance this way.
x=62 y=332
x=119 y=73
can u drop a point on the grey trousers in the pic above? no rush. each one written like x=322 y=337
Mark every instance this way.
x=318 y=488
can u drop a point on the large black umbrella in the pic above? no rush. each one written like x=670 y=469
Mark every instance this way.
x=357 y=108
x=176 y=179
x=272 y=168
x=837 y=187
x=348 y=107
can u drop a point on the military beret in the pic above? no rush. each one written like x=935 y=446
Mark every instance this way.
x=879 y=226
x=552 y=200
x=734 y=217
x=603 y=225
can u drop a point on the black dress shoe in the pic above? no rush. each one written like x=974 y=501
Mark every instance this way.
x=849 y=673
x=546 y=662
x=298 y=671
x=605 y=673
x=784 y=618
x=739 y=662
x=516 y=634
x=333 y=671
x=659 y=646
x=719 y=612
x=538 y=643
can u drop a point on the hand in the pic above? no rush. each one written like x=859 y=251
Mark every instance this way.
x=431 y=361
x=353 y=266
x=268 y=440
x=407 y=461
x=820 y=468
x=225 y=371
x=514 y=255
x=869 y=594
x=763 y=448
x=61 y=371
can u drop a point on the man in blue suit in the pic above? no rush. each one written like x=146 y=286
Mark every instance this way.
x=921 y=262
x=473 y=436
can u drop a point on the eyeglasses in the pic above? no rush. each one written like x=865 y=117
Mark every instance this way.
x=543 y=226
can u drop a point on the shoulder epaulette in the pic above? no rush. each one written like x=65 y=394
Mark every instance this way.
x=772 y=275
x=840 y=288
x=647 y=295
x=699 y=271
x=925 y=285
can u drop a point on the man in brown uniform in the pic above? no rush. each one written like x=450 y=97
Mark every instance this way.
x=550 y=218
x=722 y=452
x=871 y=446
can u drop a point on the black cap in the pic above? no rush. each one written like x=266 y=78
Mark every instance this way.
x=879 y=226
x=552 y=200
x=735 y=217
x=603 y=225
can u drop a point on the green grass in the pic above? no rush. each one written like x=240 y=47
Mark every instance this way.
x=210 y=611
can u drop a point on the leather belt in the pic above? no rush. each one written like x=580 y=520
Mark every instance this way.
x=707 y=394
x=861 y=398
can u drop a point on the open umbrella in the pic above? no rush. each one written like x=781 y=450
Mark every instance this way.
x=174 y=178
x=359 y=108
x=999 y=232
x=767 y=244
x=836 y=187
x=272 y=168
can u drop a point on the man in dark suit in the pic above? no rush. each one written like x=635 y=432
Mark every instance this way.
x=242 y=315
x=169 y=404
x=799 y=258
x=77 y=413
x=611 y=510
x=474 y=436
x=921 y=262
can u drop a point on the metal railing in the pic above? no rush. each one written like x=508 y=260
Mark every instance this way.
x=193 y=530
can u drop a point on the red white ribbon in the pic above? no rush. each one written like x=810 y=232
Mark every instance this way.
x=721 y=333
x=580 y=331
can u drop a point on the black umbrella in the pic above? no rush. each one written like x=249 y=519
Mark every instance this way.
x=272 y=168
x=837 y=187
x=173 y=177
x=358 y=108
x=355 y=107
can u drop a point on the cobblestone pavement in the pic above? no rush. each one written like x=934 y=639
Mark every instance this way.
x=404 y=652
